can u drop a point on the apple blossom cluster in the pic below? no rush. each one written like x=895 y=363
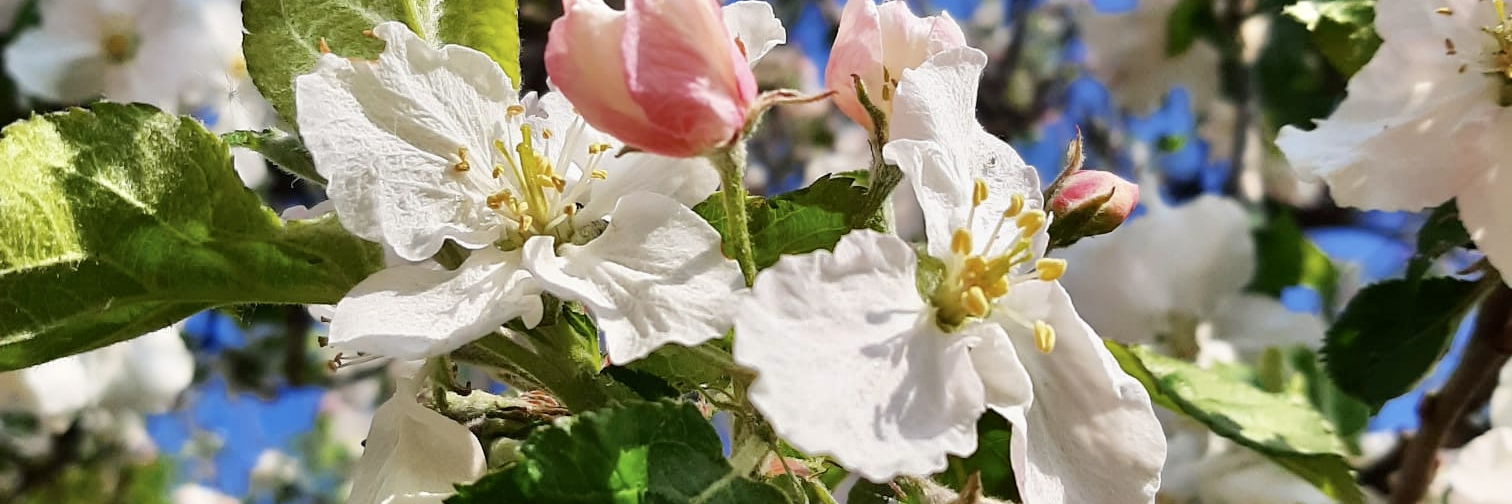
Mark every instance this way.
x=576 y=297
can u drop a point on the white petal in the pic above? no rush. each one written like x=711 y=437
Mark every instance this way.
x=1253 y=323
x=937 y=142
x=387 y=135
x=1244 y=477
x=1501 y=399
x=1004 y=378
x=1483 y=203
x=688 y=181
x=157 y=368
x=412 y=450
x=657 y=275
x=851 y=364
x=1479 y=475
x=755 y=26
x=54 y=68
x=1090 y=435
x=54 y=391
x=413 y=312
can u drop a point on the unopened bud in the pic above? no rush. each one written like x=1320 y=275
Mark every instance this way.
x=1089 y=203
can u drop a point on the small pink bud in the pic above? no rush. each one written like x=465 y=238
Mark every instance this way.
x=877 y=43
x=1089 y=203
x=663 y=76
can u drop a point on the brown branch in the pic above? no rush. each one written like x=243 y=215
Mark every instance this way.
x=1488 y=349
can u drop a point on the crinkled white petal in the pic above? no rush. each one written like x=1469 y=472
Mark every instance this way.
x=755 y=27
x=655 y=276
x=387 y=135
x=851 y=364
x=414 y=312
x=413 y=451
x=1090 y=434
x=937 y=142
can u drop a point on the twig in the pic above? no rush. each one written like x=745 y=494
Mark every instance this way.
x=1488 y=349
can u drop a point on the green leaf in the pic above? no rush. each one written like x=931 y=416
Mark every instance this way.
x=120 y=219
x=490 y=26
x=648 y=452
x=1286 y=431
x=283 y=36
x=1348 y=415
x=1441 y=233
x=283 y=149
x=797 y=222
x=1391 y=334
x=1297 y=84
x=1188 y=21
x=1284 y=257
x=283 y=39
x=1343 y=30
x=990 y=461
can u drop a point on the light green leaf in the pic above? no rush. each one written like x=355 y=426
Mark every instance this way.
x=1287 y=431
x=282 y=148
x=120 y=219
x=649 y=452
x=490 y=26
x=283 y=38
x=1391 y=334
x=797 y=222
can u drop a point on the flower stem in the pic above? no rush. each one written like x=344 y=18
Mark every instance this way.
x=731 y=163
x=568 y=375
x=1488 y=350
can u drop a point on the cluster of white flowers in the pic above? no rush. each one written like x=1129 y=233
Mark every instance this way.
x=182 y=56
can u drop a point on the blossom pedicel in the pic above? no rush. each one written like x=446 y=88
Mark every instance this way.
x=877 y=43
x=664 y=76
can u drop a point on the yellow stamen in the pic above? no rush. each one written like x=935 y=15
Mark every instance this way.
x=546 y=134
x=1015 y=205
x=498 y=171
x=514 y=110
x=978 y=192
x=1444 y=10
x=462 y=165
x=1050 y=269
x=1044 y=336
x=598 y=174
x=1030 y=222
x=960 y=242
x=975 y=302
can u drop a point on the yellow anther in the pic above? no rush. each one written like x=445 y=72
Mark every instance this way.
x=978 y=192
x=997 y=289
x=1044 y=336
x=1050 y=269
x=559 y=183
x=975 y=302
x=1449 y=47
x=1444 y=10
x=546 y=180
x=1030 y=222
x=598 y=174
x=975 y=267
x=500 y=199
x=546 y=133
x=498 y=171
x=569 y=210
x=525 y=222
x=462 y=165
x=1015 y=205
x=514 y=110
x=499 y=146
x=960 y=242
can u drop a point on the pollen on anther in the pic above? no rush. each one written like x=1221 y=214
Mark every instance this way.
x=598 y=174
x=1015 y=205
x=514 y=110
x=498 y=171
x=960 y=242
x=1449 y=47
x=975 y=302
x=1050 y=270
x=1044 y=336
x=462 y=165
x=546 y=133
x=978 y=192
x=1030 y=222
x=321 y=46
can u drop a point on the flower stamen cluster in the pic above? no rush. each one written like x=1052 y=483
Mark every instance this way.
x=976 y=278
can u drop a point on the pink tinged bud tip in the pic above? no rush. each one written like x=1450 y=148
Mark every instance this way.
x=877 y=43
x=1090 y=203
x=664 y=76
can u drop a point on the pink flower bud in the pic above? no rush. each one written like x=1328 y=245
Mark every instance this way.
x=664 y=76
x=877 y=43
x=1089 y=203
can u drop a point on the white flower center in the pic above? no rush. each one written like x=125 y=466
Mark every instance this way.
x=523 y=185
x=974 y=279
x=118 y=39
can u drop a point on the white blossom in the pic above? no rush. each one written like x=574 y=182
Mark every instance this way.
x=430 y=145
x=1424 y=120
x=857 y=363
x=413 y=454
